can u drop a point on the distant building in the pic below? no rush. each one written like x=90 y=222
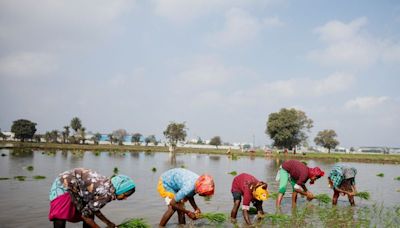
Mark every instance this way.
x=372 y=150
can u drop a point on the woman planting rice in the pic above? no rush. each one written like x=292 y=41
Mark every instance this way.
x=342 y=180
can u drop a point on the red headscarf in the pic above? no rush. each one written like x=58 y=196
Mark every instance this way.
x=205 y=185
x=315 y=172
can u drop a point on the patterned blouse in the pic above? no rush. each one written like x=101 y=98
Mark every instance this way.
x=339 y=173
x=89 y=190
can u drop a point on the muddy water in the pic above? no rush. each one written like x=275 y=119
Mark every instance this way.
x=25 y=203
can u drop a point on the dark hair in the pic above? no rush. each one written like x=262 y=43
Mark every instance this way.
x=130 y=192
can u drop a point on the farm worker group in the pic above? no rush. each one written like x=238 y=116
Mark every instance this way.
x=79 y=194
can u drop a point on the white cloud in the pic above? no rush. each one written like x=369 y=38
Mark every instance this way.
x=184 y=11
x=27 y=65
x=240 y=27
x=366 y=103
x=334 y=83
x=349 y=45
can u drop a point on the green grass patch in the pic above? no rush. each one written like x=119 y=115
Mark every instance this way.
x=363 y=195
x=233 y=173
x=214 y=217
x=134 y=223
x=39 y=177
x=380 y=174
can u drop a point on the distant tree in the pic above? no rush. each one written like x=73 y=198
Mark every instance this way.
x=150 y=139
x=47 y=136
x=82 y=134
x=199 y=141
x=76 y=124
x=96 y=138
x=136 y=138
x=65 y=134
x=288 y=127
x=352 y=149
x=72 y=139
x=110 y=138
x=215 y=141
x=23 y=129
x=37 y=138
x=54 y=136
x=120 y=135
x=175 y=133
x=3 y=136
x=327 y=139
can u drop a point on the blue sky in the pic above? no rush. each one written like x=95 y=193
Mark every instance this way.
x=221 y=66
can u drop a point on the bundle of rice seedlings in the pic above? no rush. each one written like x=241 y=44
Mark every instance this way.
x=323 y=198
x=214 y=217
x=363 y=195
x=29 y=168
x=380 y=174
x=134 y=223
x=233 y=173
x=274 y=195
x=38 y=177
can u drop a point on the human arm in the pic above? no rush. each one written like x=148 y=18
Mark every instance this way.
x=179 y=207
x=197 y=210
x=246 y=216
x=104 y=219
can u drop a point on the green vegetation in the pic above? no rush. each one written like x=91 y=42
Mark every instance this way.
x=29 y=168
x=323 y=198
x=20 y=178
x=175 y=133
x=116 y=170
x=38 y=177
x=233 y=173
x=216 y=141
x=277 y=218
x=288 y=127
x=252 y=210
x=274 y=195
x=23 y=129
x=363 y=195
x=154 y=169
x=214 y=217
x=327 y=139
x=380 y=174
x=207 y=198
x=134 y=223
x=4 y=178
x=397 y=178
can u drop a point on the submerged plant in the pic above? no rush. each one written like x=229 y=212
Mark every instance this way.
x=233 y=173
x=323 y=198
x=363 y=195
x=134 y=223
x=29 y=168
x=38 y=177
x=214 y=217
x=20 y=178
x=380 y=174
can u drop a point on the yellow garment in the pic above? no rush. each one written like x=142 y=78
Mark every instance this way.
x=164 y=193
x=260 y=193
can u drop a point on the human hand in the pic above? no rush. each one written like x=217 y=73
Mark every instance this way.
x=197 y=212
x=310 y=196
x=192 y=215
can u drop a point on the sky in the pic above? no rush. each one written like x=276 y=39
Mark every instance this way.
x=220 y=66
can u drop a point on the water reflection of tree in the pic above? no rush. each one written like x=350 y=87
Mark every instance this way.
x=214 y=158
x=21 y=153
x=135 y=154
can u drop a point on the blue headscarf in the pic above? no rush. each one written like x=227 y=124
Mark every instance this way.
x=122 y=184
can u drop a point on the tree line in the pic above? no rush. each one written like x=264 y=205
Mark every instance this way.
x=287 y=129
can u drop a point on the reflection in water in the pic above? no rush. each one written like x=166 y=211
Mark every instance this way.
x=172 y=159
x=214 y=158
x=135 y=154
x=21 y=153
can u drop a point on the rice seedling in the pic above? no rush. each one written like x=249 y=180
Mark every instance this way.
x=183 y=166
x=304 y=162
x=214 y=217
x=116 y=170
x=38 y=177
x=233 y=173
x=154 y=169
x=363 y=195
x=274 y=195
x=134 y=223
x=252 y=210
x=4 y=178
x=277 y=217
x=397 y=178
x=323 y=198
x=20 y=178
x=97 y=153
x=29 y=168
x=380 y=174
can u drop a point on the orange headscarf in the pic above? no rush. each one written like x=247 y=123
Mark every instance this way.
x=205 y=185
x=315 y=172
